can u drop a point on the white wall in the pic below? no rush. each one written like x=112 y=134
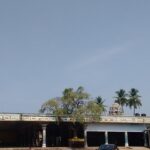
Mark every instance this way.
x=115 y=127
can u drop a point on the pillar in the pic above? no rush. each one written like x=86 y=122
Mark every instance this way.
x=85 y=139
x=145 y=139
x=106 y=137
x=44 y=135
x=126 y=139
x=148 y=138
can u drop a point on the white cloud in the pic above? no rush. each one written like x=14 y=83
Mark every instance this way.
x=100 y=56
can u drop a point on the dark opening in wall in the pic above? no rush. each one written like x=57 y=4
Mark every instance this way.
x=116 y=138
x=136 y=138
x=95 y=138
x=59 y=134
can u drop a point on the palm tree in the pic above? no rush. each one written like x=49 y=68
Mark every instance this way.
x=134 y=99
x=121 y=98
x=100 y=102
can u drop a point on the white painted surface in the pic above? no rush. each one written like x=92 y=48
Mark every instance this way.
x=115 y=127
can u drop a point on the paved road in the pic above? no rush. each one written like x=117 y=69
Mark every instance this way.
x=67 y=148
x=120 y=148
x=134 y=148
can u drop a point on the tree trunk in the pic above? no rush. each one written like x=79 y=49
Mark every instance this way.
x=122 y=110
x=134 y=111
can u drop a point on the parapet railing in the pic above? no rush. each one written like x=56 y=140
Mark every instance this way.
x=52 y=118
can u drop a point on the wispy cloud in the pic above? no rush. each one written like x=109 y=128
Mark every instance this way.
x=100 y=56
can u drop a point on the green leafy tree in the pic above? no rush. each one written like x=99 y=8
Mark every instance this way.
x=93 y=111
x=72 y=100
x=100 y=102
x=52 y=107
x=121 y=98
x=73 y=103
x=76 y=104
x=134 y=99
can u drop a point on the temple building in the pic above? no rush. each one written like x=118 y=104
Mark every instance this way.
x=37 y=130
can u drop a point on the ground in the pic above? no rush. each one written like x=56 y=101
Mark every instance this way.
x=67 y=148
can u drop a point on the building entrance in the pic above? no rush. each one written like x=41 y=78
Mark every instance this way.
x=95 y=138
x=136 y=138
x=117 y=138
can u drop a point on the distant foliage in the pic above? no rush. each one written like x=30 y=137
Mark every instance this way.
x=78 y=104
x=74 y=103
x=121 y=98
x=134 y=100
x=130 y=99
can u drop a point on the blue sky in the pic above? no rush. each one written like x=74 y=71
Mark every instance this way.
x=46 y=46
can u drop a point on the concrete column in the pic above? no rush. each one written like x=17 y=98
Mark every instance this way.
x=145 y=139
x=44 y=135
x=106 y=137
x=126 y=139
x=148 y=138
x=85 y=139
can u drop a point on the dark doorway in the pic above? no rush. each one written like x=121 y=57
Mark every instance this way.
x=58 y=134
x=18 y=134
x=53 y=132
x=116 y=138
x=136 y=138
x=95 y=138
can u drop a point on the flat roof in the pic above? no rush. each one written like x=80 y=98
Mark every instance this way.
x=51 y=118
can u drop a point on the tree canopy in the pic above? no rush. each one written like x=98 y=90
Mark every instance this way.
x=74 y=103
x=121 y=98
x=100 y=102
x=78 y=104
x=134 y=99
